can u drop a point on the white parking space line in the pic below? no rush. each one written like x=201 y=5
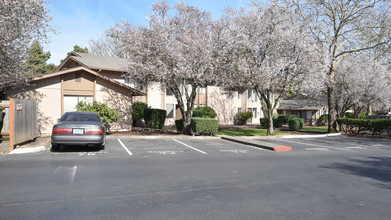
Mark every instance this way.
x=317 y=145
x=123 y=145
x=190 y=146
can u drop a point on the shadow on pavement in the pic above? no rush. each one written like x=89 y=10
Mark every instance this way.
x=75 y=148
x=377 y=168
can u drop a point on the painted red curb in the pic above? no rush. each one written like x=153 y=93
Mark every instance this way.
x=286 y=148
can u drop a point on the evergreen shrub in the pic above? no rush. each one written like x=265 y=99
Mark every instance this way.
x=294 y=124
x=208 y=111
x=204 y=126
x=155 y=118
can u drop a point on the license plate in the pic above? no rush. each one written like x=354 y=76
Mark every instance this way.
x=78 y=131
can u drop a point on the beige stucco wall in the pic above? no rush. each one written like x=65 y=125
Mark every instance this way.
x=47 y=93
x=226 y=105
x=117 y=98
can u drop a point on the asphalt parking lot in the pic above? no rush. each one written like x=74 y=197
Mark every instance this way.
x=339 y=177
x=199 y=146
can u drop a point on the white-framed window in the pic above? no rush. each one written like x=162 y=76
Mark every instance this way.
x=239 y=109
x=195 y=105
x=239 y=95
x=202 y=89
x=255 y=112
x=202 y=105
x=70 y=102
x=170 y=110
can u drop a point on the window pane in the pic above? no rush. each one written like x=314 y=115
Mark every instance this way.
x=169 y=92
x=202 y=90
x=170 y=110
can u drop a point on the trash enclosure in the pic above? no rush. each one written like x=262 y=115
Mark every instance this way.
x=18 y=120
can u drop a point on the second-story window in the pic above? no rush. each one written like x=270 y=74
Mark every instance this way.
x=202 y=89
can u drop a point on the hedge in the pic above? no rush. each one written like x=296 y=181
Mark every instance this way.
x=179 y=126
x=204 y=126
x=198 y=114
x=285 y=118
x=294 y=124
x=154 y=118
x=361 y=126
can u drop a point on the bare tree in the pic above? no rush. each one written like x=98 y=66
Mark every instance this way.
x=21 y=22
x=106 y=45
x=175 y=50
x=267 y=49
x=344 y=27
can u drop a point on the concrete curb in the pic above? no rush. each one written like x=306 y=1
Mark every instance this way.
x=311 y=136
x=263 y=145
x=28 y=150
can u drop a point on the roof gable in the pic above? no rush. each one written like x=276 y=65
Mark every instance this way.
x=133 y=91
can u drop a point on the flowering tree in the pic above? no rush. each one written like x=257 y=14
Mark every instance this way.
x=344 y=27
x=267 y=49
x=20 y=23
x=175 y=50
x=361 y=82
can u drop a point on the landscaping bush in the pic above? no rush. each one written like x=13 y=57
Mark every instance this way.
x=362 y=115
x=179 y=126
x=301 y=122
x=242 y=117
x=154 y=118
x=208 y=111
x=285 y=118
x=324 y=119
x=349 y=115
x=294 y=124
x=198 y=114
x=138 y=111
x=204 y=126
x=277 y=122
x=105 y=112
x=264 y=122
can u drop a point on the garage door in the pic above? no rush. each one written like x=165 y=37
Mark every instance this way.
x=70 y=102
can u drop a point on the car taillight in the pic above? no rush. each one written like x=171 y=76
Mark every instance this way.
x=93 y=131
x=62 y=131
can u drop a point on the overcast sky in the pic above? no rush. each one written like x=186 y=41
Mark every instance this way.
x=79 y=21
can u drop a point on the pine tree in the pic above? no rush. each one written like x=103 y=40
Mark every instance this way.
x=77 y=48
x=36 y=61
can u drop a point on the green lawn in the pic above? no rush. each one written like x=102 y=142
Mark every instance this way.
x=321 y=128
x=248 y=132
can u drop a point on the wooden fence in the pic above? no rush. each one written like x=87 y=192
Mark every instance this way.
x=19 y=120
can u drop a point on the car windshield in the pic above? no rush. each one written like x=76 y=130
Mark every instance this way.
x=80 y=117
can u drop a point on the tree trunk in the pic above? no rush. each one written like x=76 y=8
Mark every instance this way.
x=269 y=118
x=332 y=127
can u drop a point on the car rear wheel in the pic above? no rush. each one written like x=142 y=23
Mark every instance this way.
x=55 y=147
